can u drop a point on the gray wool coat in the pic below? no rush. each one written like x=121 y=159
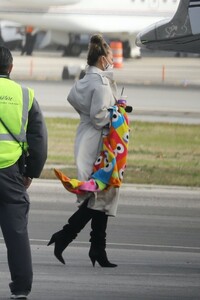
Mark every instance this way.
x=91 y=97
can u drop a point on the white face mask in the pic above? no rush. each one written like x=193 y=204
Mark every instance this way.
x=108 y=65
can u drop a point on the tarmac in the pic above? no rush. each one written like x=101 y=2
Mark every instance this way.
x=48 y=65
x=148 y=271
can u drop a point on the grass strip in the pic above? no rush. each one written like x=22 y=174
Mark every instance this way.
x=159 y=153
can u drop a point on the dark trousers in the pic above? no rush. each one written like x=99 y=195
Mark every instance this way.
x=14 y=208
x=29 y=44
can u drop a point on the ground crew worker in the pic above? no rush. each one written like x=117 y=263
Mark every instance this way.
x=22 y=130
x=30 y=38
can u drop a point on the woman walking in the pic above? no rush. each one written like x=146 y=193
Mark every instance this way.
x=91 y=96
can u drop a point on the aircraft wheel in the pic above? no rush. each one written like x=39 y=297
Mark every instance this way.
x=75 y=50
x=65 y=73
x=126 y=49
x=72 y=50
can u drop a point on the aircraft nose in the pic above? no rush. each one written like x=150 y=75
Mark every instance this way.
x=146 y=36
x=138 y=41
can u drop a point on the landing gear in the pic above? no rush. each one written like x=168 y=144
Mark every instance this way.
x=65 y=73
x=72 y=72
x=72 y=50
x=126 y=49
x=130 y=50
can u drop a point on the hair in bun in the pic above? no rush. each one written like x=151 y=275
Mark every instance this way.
x=97 y=47
x=96 y=39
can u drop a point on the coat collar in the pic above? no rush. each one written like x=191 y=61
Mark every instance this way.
x=108 y=74
x=93 y=69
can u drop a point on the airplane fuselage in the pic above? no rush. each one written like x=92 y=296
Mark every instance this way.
x=89 y=16
x=114 y=18
x=35 y=3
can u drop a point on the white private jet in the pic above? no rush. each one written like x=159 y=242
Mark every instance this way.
x=35 y=3
x=181 y=33
x=116 y=19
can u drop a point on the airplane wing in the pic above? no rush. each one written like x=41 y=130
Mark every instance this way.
x=180 y=34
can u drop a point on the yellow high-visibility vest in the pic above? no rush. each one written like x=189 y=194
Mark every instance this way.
x=15 y=103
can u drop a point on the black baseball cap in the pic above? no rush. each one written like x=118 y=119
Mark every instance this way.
x=6 y=58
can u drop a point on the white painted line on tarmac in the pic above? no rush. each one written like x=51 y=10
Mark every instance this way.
x=131 y=245
x=120 y=245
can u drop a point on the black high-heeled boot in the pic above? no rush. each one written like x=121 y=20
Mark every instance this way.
x=61 y=239
x=100 y=256
x=98 y=240
x=69 y=232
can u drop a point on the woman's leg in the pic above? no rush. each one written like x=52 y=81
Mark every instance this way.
x=98 y=240
x=69 y=232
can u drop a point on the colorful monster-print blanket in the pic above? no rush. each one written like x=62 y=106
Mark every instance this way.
x=109 y=167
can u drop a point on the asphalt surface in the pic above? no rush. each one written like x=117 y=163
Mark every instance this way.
x=163 y=89
x=154 y=240
x=150 y=103
x=147 y=70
